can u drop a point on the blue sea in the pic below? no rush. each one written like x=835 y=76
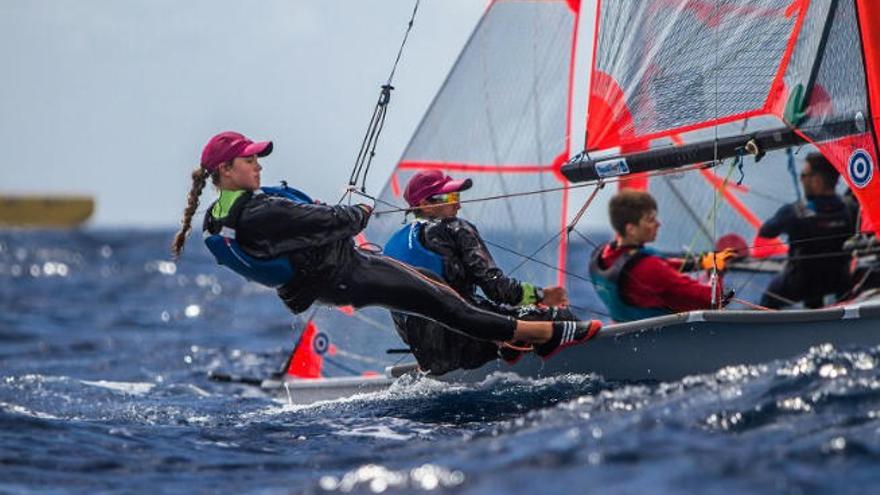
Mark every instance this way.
x=106 y=346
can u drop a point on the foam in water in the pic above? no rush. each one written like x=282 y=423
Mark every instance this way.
x=139 y=388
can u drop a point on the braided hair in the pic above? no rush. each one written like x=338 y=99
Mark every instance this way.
x=199 y=179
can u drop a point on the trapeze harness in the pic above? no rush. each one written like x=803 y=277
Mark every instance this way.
x=272 y=272
x=607 y=284
x=406 y=246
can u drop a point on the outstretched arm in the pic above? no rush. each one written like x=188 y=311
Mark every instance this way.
x=289 y=226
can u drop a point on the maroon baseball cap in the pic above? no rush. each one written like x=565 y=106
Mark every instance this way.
x=228 y=145
x=423 y=185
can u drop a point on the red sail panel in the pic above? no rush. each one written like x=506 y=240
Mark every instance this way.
x=665 y=67
x=843 y=88
x=856 y=159
x=869 y=27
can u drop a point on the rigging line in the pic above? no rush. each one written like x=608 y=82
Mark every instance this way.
x=532 y=256
x=806 y=239
x=377 y=121
x=713 y=278
x=857 y=287
x=792 y=171
x=403 y=43
x=492 y=198
x=375 y=140
x=368 y=136
x=585 y=238
x=750 y=304
x=517 y=254
x=742 y=287
x=712 y=214
x=781 y=298
x=835 y=254
x=655 y=173
x=688 y=209
x=371 y=138
x=565 y=229
x=540 y=262
x=577 y=218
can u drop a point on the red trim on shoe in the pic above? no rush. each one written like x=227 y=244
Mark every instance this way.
x=595 y=326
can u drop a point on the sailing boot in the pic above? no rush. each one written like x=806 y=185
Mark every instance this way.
x=567 y=334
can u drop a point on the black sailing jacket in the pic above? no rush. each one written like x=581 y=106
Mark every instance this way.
x=467 y=263
x=316 y=238
x=816 y=233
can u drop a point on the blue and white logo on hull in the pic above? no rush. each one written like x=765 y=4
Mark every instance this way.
x=320 y=343
x=860 y=168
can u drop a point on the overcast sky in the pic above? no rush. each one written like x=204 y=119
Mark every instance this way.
x=115 y=98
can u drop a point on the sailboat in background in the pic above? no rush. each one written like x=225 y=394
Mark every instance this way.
x=703 y=103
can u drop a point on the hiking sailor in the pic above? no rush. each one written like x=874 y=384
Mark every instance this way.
x=253 y=230
x=448 y=248
x=816 y=229
x=634 y=281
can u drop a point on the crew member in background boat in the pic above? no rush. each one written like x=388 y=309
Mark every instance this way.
x=817 y=229
x=282 y=238
x=865 y=248
x=448 y=248
x=634 y=281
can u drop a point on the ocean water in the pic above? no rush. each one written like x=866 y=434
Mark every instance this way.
x=105 y=347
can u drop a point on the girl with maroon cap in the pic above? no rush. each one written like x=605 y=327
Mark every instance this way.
x=451 y=249
x=314 y=243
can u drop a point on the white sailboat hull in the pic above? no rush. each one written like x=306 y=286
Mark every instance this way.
x=664 y=348
x=671 y=347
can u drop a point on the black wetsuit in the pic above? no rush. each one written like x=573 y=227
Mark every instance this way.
x=817 y=265
x=467 y=264
x=330 y=269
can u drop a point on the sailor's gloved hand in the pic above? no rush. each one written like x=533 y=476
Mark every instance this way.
x=555 y=296
x=717 y=260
